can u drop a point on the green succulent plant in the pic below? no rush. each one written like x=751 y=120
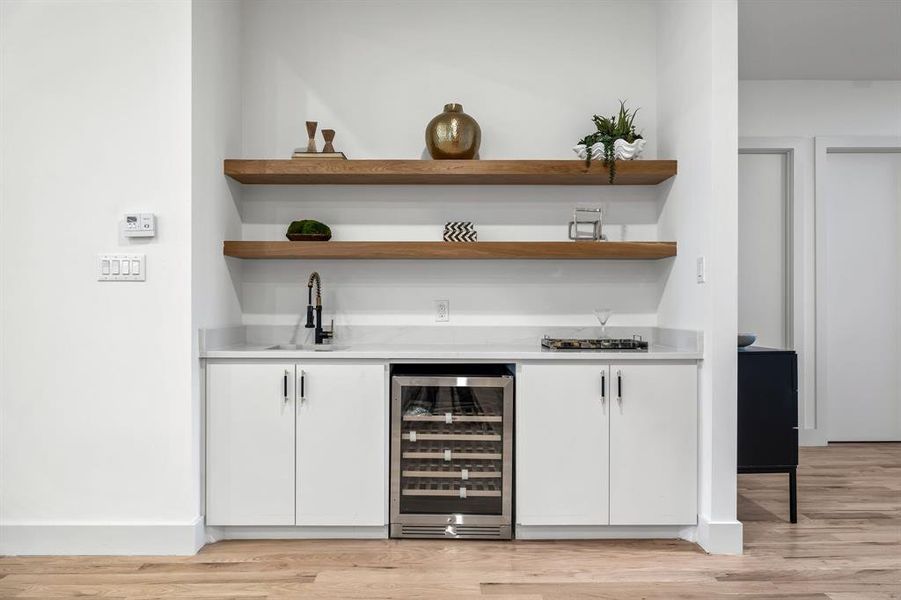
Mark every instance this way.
x=619 y=126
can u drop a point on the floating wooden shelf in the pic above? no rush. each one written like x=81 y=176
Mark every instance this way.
x=451 y=250
x=447 y=172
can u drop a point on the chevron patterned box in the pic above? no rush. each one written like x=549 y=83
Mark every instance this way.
x=460 y=231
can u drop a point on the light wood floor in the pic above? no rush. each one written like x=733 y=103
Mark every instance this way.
x=846 y=545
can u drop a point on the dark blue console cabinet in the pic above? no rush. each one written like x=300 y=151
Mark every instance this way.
x=768 y=415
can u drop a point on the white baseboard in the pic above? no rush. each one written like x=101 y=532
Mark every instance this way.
x=181 y=539
x=720 y=537
x=186 y=539
x=604 y=532
x=215 y=534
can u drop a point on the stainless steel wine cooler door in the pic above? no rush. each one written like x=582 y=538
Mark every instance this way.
x=452 y=456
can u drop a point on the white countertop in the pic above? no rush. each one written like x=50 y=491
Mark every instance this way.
x=445 y=352
x=408 y=343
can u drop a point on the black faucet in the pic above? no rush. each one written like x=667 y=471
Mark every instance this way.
x=319 y=334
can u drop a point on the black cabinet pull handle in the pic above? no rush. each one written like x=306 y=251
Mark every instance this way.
x=603 y=386
x=285 y=386
x=303 y=381
x=619 y=385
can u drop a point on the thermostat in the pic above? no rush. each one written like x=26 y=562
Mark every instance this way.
x=139 y=225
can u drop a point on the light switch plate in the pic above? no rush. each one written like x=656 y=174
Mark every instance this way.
x=139 y=225
x=121 y=267
x=702 y=270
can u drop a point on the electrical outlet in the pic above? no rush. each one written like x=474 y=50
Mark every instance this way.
x=702 y=270
x=442 y=311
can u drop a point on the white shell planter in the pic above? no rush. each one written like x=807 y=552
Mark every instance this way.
x=622 y=150
x=597 y=151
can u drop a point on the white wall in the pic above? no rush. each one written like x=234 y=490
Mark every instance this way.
x=216 y=135
x=697 y=113
x=818 y=108
x=216 y=128
x=97 y=430
x=380 y=71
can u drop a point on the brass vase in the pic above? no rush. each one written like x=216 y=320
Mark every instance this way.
x=453 y=134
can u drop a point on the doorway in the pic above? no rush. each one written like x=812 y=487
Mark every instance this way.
x=764 y=247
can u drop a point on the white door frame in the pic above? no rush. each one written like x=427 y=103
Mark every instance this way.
x=799 y=268
x=824 y=146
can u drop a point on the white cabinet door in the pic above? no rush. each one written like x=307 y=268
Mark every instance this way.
x=562 y=444
x=250 y=444
x=858 y=298
x=653 y=444
x=341 y=445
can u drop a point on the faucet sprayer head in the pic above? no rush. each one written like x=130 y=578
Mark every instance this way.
x=314 y=277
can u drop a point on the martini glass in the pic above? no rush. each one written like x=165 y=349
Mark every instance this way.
x=603 y=315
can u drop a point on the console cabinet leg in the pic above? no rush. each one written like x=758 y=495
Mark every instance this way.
x=793 y=495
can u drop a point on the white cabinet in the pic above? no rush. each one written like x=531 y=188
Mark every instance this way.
x=296 y=444
x=341 y=445
x=562 y=435
x=602 y=444
x=306 y=444
x=250 y=444
x=653 y=444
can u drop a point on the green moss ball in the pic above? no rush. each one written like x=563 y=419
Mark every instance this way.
x=308 y=227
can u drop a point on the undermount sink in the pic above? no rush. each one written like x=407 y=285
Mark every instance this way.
x=307 y=347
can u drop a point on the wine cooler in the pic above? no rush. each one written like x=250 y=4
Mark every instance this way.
x=452 y=451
